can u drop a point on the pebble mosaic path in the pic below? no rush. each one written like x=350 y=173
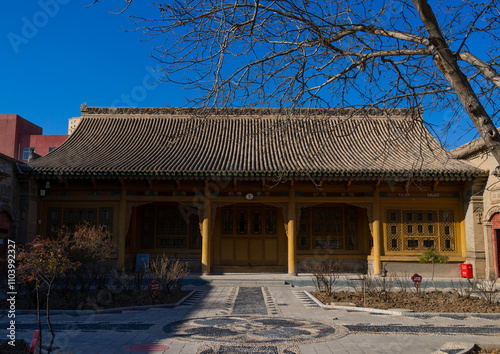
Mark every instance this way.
x=249 y=322
x=259 y=320
x=250 y=301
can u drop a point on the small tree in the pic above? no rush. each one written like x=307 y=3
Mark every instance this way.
x=40 y=262
x=432 y=256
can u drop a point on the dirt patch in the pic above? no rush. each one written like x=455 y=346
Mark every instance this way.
x=101 y=299
x=421 y=302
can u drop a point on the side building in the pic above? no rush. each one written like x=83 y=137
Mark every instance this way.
x=484 y=218
x=19 y=138
x=18 y=205
x=263 y=190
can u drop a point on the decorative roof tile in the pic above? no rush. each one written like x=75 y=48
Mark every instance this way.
x=251 y=143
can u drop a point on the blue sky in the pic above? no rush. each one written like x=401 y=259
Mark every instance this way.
x=57 y=54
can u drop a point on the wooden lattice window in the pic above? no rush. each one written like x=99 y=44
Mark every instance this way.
x=304 y=234
x=418 y=230
x=244 y=221
x=241 y=221
x=334 y=227
x=147 y=231
x=256 y=221
x=54 y=221
x=227 y=221
x=194 y=232
x=72 y=217
x=170 y=226
x=271 y=221
x=177 y=227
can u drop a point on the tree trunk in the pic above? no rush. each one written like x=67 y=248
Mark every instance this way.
x=433 y=282
x=49 y=284
x=48 y=310
x=38 y=317
x=446 y=61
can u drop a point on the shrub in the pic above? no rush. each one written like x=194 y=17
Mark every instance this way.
x=325 y=276
x=486 y=290
x=378 y=287
x=402 y=281
x=483 y=289
x=169 y=273
x=432 y=256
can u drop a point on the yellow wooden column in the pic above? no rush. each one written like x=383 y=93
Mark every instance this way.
x=206 y=247
x=377 y=235
x=122 y=227
x=461 y=217
x=292 y=245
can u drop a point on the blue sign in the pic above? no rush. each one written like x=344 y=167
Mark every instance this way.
x=141 y=263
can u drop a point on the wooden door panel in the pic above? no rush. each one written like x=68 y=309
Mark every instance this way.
x=256 y=250
x=248 y=236
x=271 y=250
x=241 y=250
x=227 y=250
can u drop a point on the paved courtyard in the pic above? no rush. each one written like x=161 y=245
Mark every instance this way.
x=258 y=318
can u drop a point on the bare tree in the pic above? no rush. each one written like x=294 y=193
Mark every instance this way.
x=335 y=53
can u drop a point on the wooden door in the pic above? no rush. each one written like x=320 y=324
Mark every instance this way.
x=495 y=224
x=249 y=236
x=496 y=251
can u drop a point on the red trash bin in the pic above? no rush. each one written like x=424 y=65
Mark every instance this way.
x=466 y=270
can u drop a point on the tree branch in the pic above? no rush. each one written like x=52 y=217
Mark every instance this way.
x=486 y=69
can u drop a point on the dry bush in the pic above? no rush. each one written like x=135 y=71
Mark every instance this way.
x=169 y=273
x=402 y=281
x=462 y=289
x=357 y=284
x=486 y=290
x=483 y=289
x=325 y=276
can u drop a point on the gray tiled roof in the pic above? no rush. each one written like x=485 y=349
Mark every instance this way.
x=257 y=143
x=469 y=149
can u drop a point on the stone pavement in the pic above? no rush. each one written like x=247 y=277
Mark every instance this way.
x=256 y=318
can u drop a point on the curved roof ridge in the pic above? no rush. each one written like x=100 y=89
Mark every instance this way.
x=270 y=113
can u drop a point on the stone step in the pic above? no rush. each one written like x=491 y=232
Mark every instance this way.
x=246 y=282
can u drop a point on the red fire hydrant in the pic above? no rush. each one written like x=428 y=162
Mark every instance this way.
x=466 y=270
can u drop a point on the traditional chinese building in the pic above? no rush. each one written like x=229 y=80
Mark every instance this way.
x=261 y=190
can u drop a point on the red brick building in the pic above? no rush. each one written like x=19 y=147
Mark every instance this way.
x=19 y=136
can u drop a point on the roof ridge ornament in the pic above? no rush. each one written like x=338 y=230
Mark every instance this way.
x=335 y=112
